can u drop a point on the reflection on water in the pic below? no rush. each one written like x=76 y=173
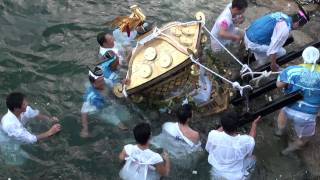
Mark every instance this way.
x=45 y=46
x=12 y=154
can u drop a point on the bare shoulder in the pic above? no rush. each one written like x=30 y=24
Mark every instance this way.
x=194 y=135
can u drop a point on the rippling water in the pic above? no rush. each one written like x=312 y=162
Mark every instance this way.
x=45 y=46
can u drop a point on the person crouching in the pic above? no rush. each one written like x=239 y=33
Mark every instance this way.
x=266 y=36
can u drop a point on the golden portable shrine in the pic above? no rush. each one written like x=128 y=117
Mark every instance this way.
x=160 y=68
x=166 y=66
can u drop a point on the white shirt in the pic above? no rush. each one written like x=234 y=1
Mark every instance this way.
x=140 y=164
x=227 y=153
x=279 y=36
x=224 y=19
x=13 y=128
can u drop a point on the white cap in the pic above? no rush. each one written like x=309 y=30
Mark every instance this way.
x=310 y=55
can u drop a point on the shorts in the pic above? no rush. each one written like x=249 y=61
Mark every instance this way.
x=88 y=108
x=248 y=165
x=304 y=124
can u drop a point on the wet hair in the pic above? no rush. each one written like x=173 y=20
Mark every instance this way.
x=298 y=18
x=101 y=38
x=239 y=4
x=184 y=113
x=14 y=100
x=142 y=133
x=301 y=16
x=229 y=122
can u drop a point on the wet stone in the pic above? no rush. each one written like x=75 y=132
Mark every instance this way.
x=287 y=6
x=301 y=38
x=310 y=154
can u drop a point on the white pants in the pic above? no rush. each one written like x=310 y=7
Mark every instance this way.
x=260 y=51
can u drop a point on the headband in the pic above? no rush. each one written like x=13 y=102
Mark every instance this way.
x=96 y=73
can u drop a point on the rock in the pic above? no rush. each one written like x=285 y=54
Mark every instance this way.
x=312 y=28
x=311 y=156
x=153 y=115
x=287 y=6
x=311 y=7
x=253 y=13
x=301 y=38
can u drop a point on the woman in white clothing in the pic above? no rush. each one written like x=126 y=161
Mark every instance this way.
x=141 y=162
x=180 y=140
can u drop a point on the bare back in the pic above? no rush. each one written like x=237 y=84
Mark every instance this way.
x=189 y=133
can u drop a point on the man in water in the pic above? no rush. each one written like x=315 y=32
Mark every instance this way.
x=224 y=29
x=266 y=36
x=12 y=124
x=230 y=153
x=141 y=162
x=107 y=43
x=94 y=101
x=305 y=78
x=182 y=140
x=109 y=65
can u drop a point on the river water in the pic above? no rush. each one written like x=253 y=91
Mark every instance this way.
x=45 y=46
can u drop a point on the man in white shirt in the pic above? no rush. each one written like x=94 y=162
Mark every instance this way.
x=230 y=153
x=19 y=113
x=224 y=29
x=107 y=43
x=266 y=36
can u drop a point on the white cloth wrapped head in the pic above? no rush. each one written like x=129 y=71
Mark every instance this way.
x=310 y=56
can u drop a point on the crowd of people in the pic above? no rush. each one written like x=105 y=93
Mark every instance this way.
x=230 y=152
